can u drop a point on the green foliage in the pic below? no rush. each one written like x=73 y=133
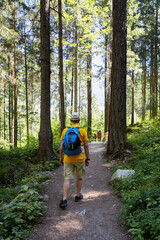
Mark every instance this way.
x=16 y=218
x=33 y=176
x=98 y=123
x=17 y=168
x=55 y=125
x=14 y=164
x=142 y=212
x=7 y=194
x=141 y=192
x=23 y=180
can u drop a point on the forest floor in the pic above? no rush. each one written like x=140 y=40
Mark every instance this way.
x=97 y=216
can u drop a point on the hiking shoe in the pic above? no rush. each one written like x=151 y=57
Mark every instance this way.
x=63 y=204
x=78 y=198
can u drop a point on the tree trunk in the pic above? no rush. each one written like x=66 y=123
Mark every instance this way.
x=26 y=83
x=117 y=120
x=32 y=100
x=15 y=115
x=151 y=83
x=105 y=85
x=61 y=88
x=0 y=115
x=156 y=66
x=65 y=86
x=109 y=87
x=10 y=104
x=72 y=90
x=79 y=93
x=10 y=116
x=89 y=91
x=15 y=86
x=45 y=134
x=159 y=95
x=4 y=115
x=144 y=86
x=132 y=116
x=76 y=66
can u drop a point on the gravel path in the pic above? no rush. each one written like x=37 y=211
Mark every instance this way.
x=95 y=217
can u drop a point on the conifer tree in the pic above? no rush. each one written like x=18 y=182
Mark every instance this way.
x=117 y=120
x=61 y=85
x=45 y=134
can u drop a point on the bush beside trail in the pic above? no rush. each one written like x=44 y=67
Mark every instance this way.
x=20 y=190
x=17 y=217
x=141 y=192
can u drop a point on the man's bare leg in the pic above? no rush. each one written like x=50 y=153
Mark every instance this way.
x=66 y=186
x=79 y=186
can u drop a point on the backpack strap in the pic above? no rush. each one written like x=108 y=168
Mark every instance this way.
x=73 y=127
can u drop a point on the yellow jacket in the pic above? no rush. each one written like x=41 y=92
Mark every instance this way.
x=83 y=137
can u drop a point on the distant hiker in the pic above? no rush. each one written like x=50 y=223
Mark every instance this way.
x=89 y=134
x=95 y=136
x=73 y=157
x=99 y=135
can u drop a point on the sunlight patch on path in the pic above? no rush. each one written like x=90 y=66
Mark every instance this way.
x=95 y=150
x=95 y=194
x=96 y=147
x=108 y=165
x=68 y=225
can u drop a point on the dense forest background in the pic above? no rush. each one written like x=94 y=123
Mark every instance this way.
x=87 y=47
x=96 y=57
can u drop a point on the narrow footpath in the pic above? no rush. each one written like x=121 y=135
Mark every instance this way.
x=95 y=217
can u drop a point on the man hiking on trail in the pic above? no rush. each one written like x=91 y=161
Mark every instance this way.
x=73 y=157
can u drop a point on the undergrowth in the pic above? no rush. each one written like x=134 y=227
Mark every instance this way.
x=17 y=217
x=141 y=192
x=20 y=190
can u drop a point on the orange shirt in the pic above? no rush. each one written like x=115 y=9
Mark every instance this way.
x=83 y=137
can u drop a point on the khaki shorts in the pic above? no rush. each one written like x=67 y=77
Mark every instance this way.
x=71 y=167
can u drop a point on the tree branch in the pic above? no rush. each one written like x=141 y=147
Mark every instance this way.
x=57 y=11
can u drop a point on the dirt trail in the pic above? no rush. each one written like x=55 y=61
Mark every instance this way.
x=95 y=217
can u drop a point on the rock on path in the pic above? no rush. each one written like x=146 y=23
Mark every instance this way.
x=95 y=217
